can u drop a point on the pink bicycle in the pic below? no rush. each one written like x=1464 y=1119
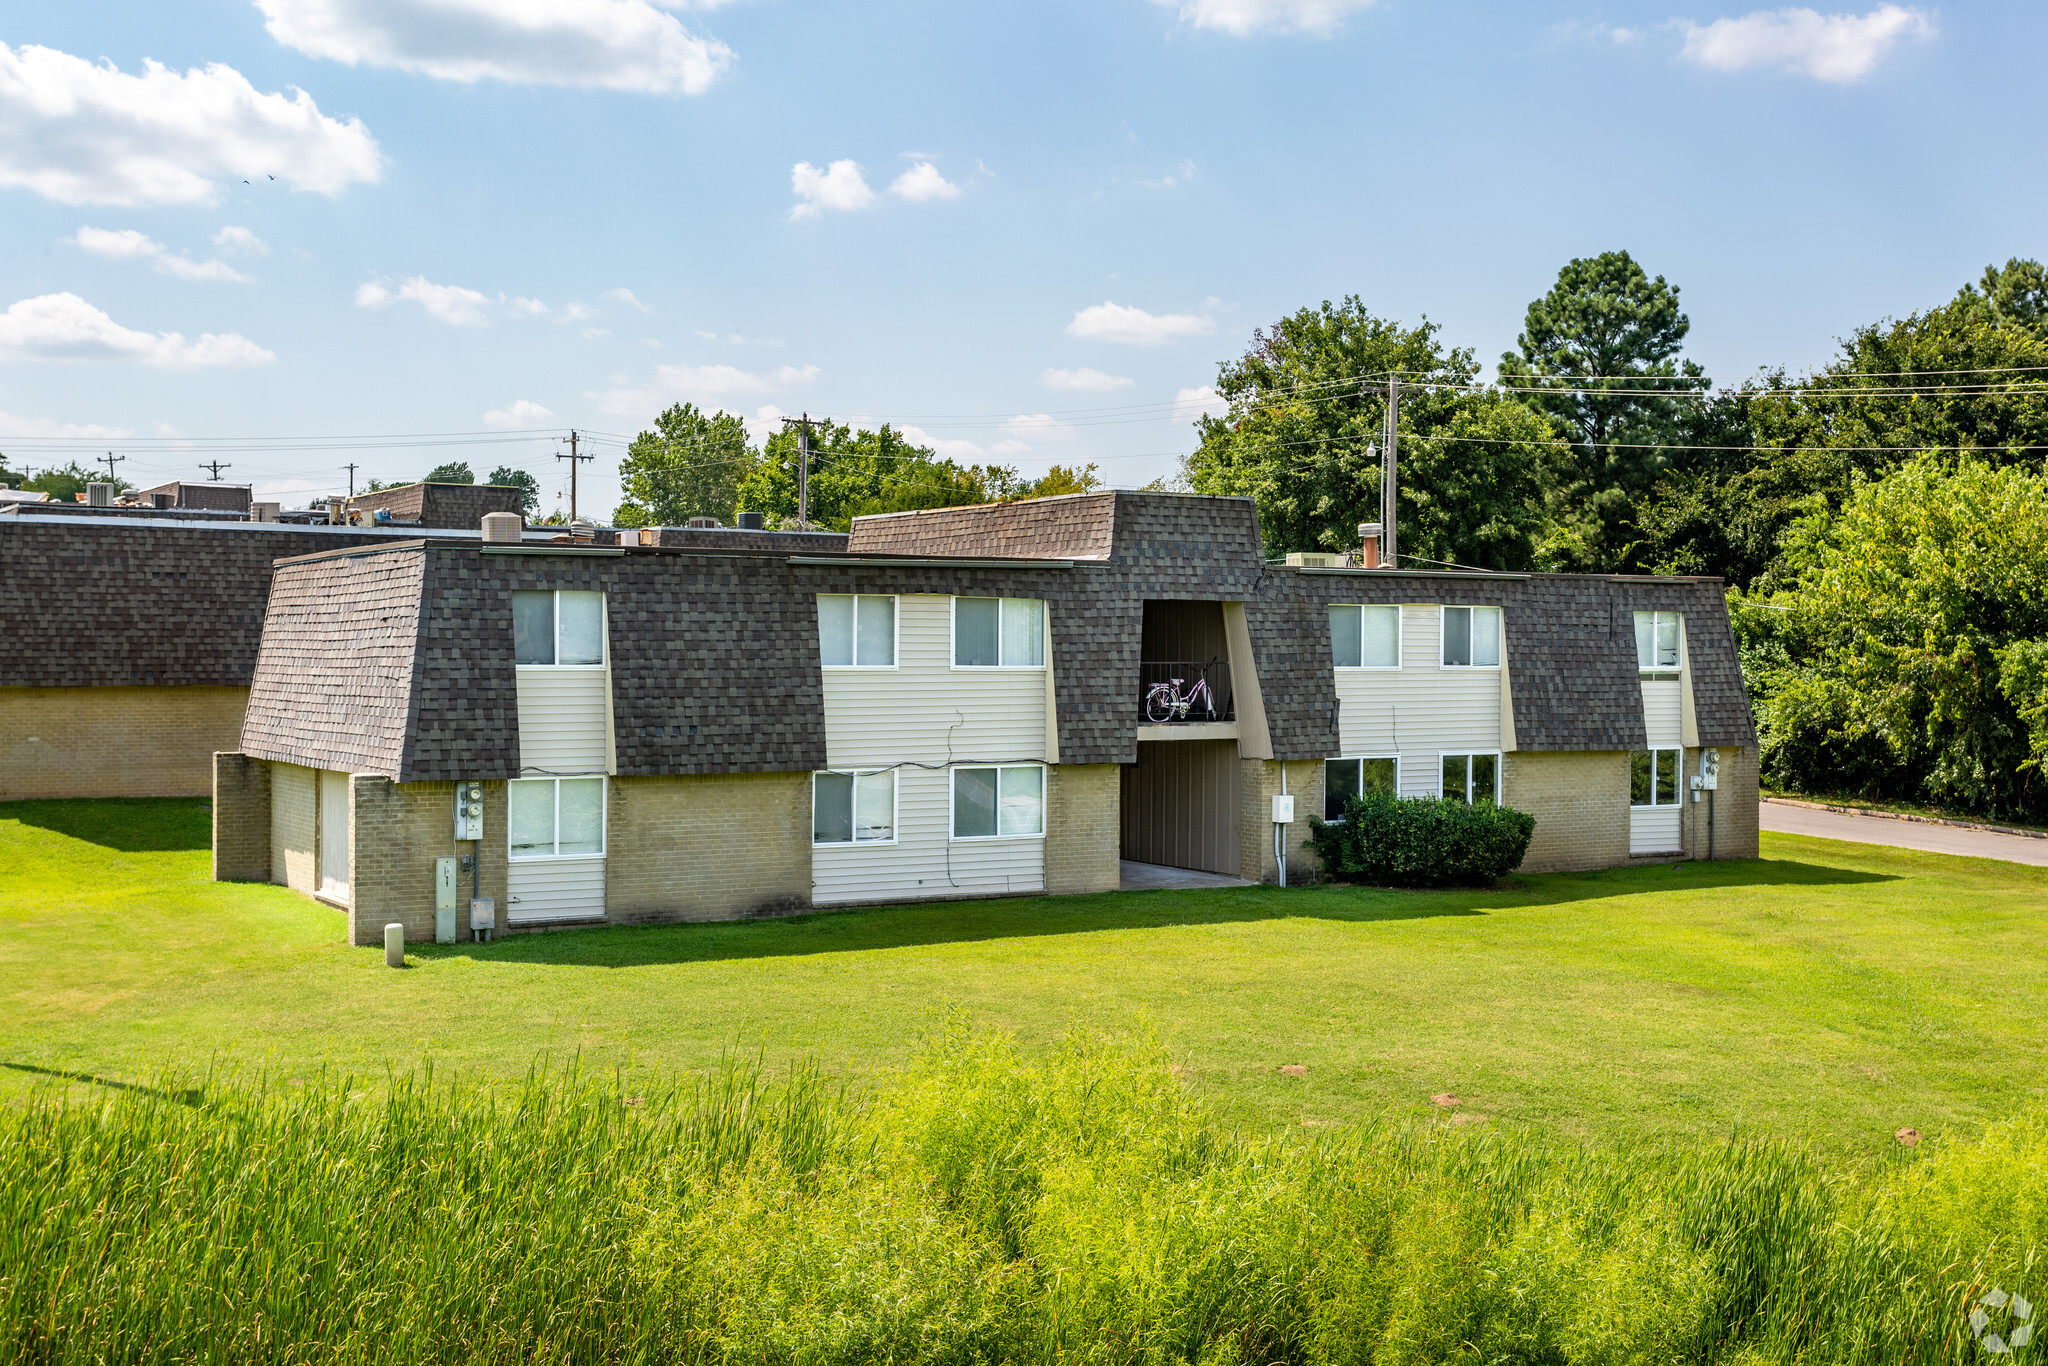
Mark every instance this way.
x=1166 y=702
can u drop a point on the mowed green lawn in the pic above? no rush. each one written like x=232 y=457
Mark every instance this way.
x=1829 y=992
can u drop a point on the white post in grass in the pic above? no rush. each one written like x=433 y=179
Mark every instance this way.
x=394 y=945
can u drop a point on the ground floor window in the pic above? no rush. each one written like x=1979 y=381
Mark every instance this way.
x=1000 y=802
x=1471 y=777
x=853 y=806
x=1653 y=776
x=555 y=817
x=1344 y=779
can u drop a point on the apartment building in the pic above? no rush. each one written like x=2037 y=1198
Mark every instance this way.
x=964 y=702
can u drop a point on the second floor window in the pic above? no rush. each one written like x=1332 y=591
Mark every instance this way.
x=1365 y=637
x=1657 y=642
x=857 y=631
x=998 y=633
x=1472 y=637
x=558 y=627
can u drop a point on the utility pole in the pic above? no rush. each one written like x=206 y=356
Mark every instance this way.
x=1390 y=555
x=351 y=468
x=573 y=460
x=803 y=467
x=214 y=467
x=110 y=458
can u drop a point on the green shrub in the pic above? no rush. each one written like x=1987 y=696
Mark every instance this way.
x=1422 y=841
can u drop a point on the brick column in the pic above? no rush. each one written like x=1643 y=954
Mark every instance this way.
x=241 y=818
x=1082 y=834
x=1258 y=784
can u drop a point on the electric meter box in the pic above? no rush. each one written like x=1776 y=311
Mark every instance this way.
x=1283 y=811
x=1710 y=769
x=483 y=913
x=469 y=811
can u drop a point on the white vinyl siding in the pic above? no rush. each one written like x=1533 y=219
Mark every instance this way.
x=561 y=719
x=1663 y=712
x=1421 y=710
x=1653 y=830
x=926 y=712
x=334 y=844
x=555 y=889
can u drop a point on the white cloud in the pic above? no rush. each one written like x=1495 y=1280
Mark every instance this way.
x=594 y=333
x=85 y=134
x=626 y=296
x=698 y=383
x=1581 y=30
x=66 y=327
x=240 y=241
x=1189 y=404
x=1244 y=17
x=607 y=44
x=1010 y=446
x=18 y=428
x=1839 y=48
x=127 y=244
x=523 y=412
x=952 y=448
x=1112 y=322
x=523 y=307
x=1085 y=380
x=922 y=183
x=452 y=304
x=1039 y=425
x=840 y=186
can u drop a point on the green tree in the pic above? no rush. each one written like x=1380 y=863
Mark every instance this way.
x=690 y=465
x=1600 y=350
x=529 y=488
x=856 y=473
x=1908 y=659
x=1062 y=480
x=1307 y=403
x=1965 y=377
x=65 y=482
x=2014 y=295
x=454 y=472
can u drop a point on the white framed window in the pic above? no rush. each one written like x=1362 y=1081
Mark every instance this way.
x=1653 y=776
x=1471 y=777
x=1471 y=637
x=1344 y=779
x=1002 y=801
x=857 y=631
x=1365 y=637
x=562 y=627
x=998 y=633
x=853 y=806
x=1660 y=643
x=555 y=817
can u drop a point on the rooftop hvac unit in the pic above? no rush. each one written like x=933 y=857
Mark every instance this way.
x=99 y=495
x=705 y=523
x=749 y=521
x=1314 y=559
x=503 y=528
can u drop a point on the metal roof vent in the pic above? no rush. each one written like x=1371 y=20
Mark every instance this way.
x=503 y=528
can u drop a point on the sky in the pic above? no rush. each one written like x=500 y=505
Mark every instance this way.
x=291 y=235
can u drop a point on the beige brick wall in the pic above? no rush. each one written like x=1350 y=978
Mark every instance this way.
x=241 y=819
x=396 y=833
x=718 y=847
x=115 y=742
x=294 y=827
x=1736 y=814
x=1258 y=784
x=1580 y=802
x=1082 y=828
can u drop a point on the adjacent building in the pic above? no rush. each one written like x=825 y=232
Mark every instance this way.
x=980 y=701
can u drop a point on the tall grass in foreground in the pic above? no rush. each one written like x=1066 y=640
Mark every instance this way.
x=1077 y=1207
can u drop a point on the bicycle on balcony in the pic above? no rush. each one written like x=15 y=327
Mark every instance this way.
x=1165 y=702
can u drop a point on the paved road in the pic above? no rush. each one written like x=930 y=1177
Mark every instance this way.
x=1940 y=839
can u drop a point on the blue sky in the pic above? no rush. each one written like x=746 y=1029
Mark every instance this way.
x=510 y=217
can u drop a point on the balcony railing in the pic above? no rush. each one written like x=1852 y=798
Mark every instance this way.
x=1175 y=692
